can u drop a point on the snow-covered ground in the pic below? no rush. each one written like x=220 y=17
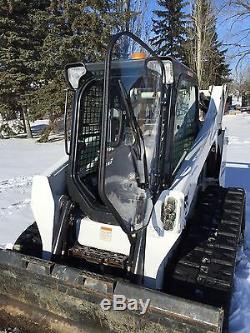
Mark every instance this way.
x=237 y=173
x=20 y=159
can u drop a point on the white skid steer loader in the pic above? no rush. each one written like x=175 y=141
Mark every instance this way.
x=135 y=212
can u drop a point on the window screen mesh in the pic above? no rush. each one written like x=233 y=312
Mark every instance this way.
x=89 y=129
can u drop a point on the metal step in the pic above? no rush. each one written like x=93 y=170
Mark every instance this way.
x=98 y=256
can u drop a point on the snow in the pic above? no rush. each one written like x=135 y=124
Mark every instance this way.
x=237 y=173
x=20 y=160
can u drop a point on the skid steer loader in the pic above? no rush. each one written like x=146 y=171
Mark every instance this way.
x=135 y=212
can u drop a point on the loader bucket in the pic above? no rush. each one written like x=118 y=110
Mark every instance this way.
x=41 y=296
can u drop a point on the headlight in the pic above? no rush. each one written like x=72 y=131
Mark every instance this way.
x=73 y=73
x=168 y=213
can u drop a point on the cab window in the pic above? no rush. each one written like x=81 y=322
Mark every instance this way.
x=186 y=122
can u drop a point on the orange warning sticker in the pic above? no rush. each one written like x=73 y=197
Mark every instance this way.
x=106 y=234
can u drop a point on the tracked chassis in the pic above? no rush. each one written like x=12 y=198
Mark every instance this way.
x=67 y=298
x=203 y=269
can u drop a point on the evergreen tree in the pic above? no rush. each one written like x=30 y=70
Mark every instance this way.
x=169 y=28
x=217 y=68
x=75 y=31
x=17 y=56
x=38 y=38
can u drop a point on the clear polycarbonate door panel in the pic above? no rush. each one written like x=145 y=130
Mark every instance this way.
x=133 y=117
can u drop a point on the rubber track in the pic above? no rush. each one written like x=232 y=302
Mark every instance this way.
x=204 y=267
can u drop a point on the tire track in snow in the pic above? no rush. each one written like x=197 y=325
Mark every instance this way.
x=18 y=189
x=14 y=207
x=18 y=183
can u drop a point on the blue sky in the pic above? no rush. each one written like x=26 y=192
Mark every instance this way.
x=229 y=31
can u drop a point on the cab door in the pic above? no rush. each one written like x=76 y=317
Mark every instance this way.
x=129 y=149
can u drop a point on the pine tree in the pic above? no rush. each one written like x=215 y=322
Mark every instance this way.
x=38 y=38
x=74 y=31
x=217 y=69
x=13 y=57
x=169 y=28
x=17 y=57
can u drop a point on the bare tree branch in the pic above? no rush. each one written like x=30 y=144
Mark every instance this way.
x=236 y=13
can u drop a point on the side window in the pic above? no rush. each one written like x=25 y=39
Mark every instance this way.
x=185 y=127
